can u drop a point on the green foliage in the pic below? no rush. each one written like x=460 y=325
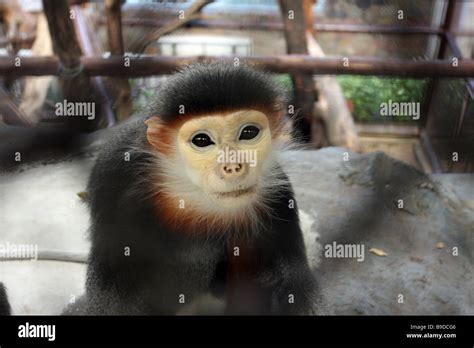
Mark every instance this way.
x=286 y=82
x=141 y=96
x=368 y=92
x=365 y=92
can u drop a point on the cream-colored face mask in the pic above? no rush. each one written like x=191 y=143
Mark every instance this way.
x=224 y=154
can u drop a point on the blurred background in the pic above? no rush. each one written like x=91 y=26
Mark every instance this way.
x=340 y=109
x=399 y=186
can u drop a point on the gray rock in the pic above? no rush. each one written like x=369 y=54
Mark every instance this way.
x=356 y=202
x=346 y=202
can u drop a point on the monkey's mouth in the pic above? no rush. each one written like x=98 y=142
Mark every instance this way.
x=237 y=193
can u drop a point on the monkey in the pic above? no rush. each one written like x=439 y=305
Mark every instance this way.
x=5 y=308
x=174 y=219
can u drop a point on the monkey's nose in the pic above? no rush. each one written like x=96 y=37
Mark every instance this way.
x=232 y=170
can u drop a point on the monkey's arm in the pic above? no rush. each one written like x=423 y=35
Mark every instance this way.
x=285 y=268
x=116 y=223
x=5 y=308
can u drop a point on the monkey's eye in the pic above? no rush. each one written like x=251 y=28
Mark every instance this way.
x=249 y=132
x=202 y=140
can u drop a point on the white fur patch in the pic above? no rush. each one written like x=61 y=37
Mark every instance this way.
x=311 y=238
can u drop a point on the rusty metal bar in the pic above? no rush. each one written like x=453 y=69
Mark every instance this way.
x=204 y=22
x=446 y=41
x=158 y=65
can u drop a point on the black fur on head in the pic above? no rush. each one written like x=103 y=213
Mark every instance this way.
x=207 y=88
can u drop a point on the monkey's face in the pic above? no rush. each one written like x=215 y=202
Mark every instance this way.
x=217 y=160
x=224 y=156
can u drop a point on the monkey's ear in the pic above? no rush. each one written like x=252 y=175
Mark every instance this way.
x=154 y=131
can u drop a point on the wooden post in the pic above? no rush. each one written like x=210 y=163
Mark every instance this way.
x=124 y=103
x=10 y=113
x=308 y=15
x=114 y=26
x=65 y=43
x=294 y=20
x=90 y=47
x=75 y=85
x=332 y=106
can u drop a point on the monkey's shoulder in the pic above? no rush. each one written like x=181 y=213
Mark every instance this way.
x=125 y=139
x=119 y=161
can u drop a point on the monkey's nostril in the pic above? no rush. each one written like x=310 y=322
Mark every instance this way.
x=233 y=169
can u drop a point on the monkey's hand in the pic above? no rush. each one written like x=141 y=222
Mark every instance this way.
x=293 y=288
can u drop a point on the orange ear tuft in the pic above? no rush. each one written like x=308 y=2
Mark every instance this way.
x=154 y=131
x=152 y=120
